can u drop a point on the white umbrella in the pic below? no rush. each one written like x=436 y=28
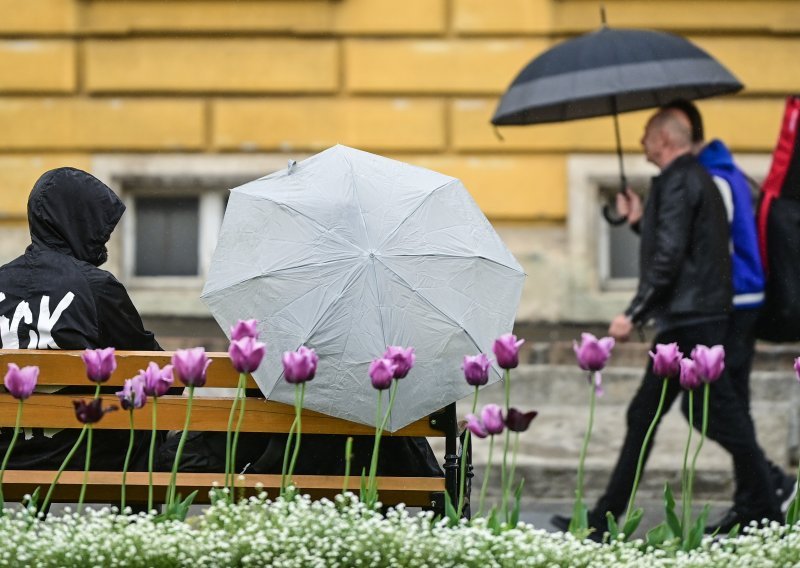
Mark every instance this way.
x=348 y=252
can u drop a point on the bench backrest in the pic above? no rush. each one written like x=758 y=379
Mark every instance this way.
x=65 y=368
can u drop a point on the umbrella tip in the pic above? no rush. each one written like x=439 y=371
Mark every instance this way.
x=498 y=135
x=290 y=166
x=603 y=21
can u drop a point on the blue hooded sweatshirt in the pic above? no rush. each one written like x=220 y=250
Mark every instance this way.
x=748 y=273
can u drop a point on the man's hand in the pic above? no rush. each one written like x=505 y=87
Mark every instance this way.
x=629 y=205
x=621 y=328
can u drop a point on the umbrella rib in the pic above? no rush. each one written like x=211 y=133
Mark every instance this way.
x=391 y=233
x=442 y=255
x=358 y=201
x=431 y=304
x=278 y=271
x=316 y=223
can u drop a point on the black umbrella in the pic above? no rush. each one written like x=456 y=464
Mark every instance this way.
x=610 y=71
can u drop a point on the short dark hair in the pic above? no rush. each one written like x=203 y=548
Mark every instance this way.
x=695 y=119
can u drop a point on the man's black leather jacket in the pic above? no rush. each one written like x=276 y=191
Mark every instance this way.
x=685 y=263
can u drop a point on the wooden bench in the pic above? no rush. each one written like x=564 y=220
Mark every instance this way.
x=54 y=410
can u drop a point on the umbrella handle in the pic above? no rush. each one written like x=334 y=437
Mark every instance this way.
x=611 y=217
x=609 y=213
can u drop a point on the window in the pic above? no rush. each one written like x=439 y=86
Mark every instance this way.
x=618 y=245
x=163 y=246
x=171 y=227
x=166 y=240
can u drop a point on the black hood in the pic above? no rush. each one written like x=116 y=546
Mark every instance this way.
x=73 y=212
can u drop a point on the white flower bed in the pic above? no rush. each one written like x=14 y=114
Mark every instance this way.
x=344 y=533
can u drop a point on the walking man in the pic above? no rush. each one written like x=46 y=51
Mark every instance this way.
x=685 y=286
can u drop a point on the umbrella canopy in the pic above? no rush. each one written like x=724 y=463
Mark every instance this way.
x=348 y=252
x=609 y=71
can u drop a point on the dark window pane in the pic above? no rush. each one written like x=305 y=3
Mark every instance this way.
x=167 y=236
x=624 y=253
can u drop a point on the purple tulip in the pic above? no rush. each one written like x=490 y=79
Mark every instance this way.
x=156 y=381
x=797 y=368
x=475 y=426
x=299 y=366
x=492 y=418
x=91 y=412
x=689 y=378
x=191 y=366
x=517 y=421
x=403 y=359
x=666 y=360
x=710 y=362
x=21 y=382
x=506 y=350
x=246 y=354
x=100 y=363
x=244 y=328
x=381 y=372
x=593 y=353
x=132 y=394
x=476 y=369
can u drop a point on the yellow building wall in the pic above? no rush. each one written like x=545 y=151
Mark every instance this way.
x=417 y=80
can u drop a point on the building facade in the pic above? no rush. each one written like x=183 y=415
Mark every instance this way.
x=173 y=102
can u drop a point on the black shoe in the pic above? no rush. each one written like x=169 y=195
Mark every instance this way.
x=561 y=522
x=733 y=517
x=600 y=525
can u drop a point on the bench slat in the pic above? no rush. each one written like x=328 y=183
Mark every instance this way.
x=209 y=414
x=66 y=367
x=104 y=486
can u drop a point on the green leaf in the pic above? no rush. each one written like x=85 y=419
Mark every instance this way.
x=493 y=523
x=613 y=529
x=673 y=522
x=791 y=514
x=579 y=524
x=734 y=532
x=632 y=523
x=517 y=498
x=363 y=493
x=695 y=536
x=658 y=535
x=450 y=511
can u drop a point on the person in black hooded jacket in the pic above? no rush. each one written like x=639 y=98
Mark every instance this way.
x=54 y=296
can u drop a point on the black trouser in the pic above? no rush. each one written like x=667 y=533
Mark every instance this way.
x=729 y=424
x=740 y=348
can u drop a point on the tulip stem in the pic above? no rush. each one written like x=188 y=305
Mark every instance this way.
x=507 y=489
x=462 y=480
x=229 y=466
x=242 y=402
x=173 y=477
x=503 y=480
x=86 y=465
x=485 y=483
x=643 y=450
x=8 y=455
x=63 y=466
x=577 y=512
x=151 y=456
x=690 y=484
x=288 y=448
x=298 y=432
x=348 y=455
x=127 y=462
x=372 y=485
x=685 y=501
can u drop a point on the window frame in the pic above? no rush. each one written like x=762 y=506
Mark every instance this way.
x=175 y=295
